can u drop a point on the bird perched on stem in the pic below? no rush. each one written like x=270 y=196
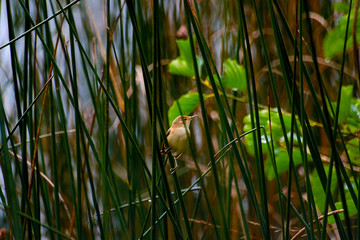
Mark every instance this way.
x=177 y=137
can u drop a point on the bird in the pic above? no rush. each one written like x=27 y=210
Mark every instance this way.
x=177 y=137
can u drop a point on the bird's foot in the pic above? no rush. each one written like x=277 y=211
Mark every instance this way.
x=165 y=151
x=173 y=170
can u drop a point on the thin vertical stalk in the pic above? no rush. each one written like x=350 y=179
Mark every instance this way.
x=336 y=118
x=212 y=160
x=9 y=178
x=148 y=87
x=206 y=55
x=203 y=114
x=322 y=118
x=23 y=125
x=55 y=164
x=73 y=79
x=259 y=159
x=156 y=62
x=11 y=195
x=329 y=133
x=312 y=141
x=105 y=130
x=310 y=197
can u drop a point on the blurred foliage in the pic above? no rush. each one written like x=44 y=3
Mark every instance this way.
x=334 y=40
x=183 y=65
x=234 y=76
x=187 y=103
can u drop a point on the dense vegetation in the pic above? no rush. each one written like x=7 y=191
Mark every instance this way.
x=89 y=88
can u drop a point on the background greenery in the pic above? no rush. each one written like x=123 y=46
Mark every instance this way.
x=89 y=88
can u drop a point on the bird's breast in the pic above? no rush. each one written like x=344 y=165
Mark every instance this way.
x=177 y=140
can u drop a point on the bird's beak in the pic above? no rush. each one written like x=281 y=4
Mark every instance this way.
x=194 y=116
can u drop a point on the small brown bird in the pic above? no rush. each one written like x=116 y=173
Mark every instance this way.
x=177 y=137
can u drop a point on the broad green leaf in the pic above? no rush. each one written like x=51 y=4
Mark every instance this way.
x=183 y=65
x=249 y=144
x=341 y=7
x=234 y=76
x=215 y=78
x=282 y=163
x=345 y=103
x=353 y=122
x=346 y=188
x=295 y=139
x=275 y=123
x=352 y=125
x=318 y=191
x=349 y=202
x=355 y=109
x=334 y=41
x=353 y=147
x=277 y=132
x=351 y=208
x=187 y=102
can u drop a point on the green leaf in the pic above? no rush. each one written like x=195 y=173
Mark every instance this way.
x=353 y=147
x=277 y=132
x=345 y=103
x=353 y=122
x=341 y=7
x=187 y=102
x=275 y=123
x=215 y=78
x=351 y=208
x=282 y=163
x=334 y=41
x=183 y=65
x=234 y=76
x=318 y=191
x=355 y=111
x=249 y=144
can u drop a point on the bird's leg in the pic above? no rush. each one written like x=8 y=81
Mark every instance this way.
x=172 y=170
x=165 y=151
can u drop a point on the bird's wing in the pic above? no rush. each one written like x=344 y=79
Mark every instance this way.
x=163 y=150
